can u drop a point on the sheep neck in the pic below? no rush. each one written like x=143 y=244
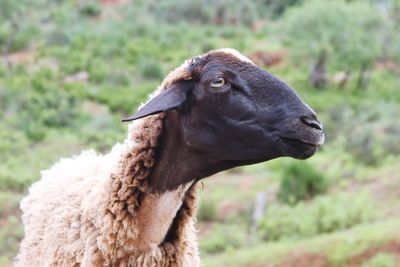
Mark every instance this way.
x=155 y=217
x=161 y=198
x=164 y=194
x=177 y=164
x=169 y=188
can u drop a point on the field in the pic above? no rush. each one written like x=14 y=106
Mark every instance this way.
x=70 y=70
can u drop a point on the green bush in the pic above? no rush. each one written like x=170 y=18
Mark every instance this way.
x=317 y=26
x=300 y=181
x=325 y=214
x=207 y=210
x=381 y=260
x=220 y=12
x=150 y=69
x=223 y=237
x=90 y=9
x=11 y=233
x=23 y=159
x=369 y=132
x=20 y=40
x=278 y=7
x=115 y=97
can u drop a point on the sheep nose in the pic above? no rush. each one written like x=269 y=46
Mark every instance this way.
x=312 y=121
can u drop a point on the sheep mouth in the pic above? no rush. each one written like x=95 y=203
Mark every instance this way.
x=298 y=148
x=298 y=141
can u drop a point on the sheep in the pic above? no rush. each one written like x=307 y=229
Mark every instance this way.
x=136 y=205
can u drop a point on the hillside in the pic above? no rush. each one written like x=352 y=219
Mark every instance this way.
x=70 y=70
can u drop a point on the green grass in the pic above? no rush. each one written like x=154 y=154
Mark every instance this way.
x=11 y=228
x=338 y=246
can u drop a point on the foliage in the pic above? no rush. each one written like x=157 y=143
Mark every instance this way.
x=207 y=210
x=223 y=237
x=324 y=215
x=10 y=236
x=342 y=29
x=150 y=69
x=278 y=7
x=80 y=66
x=15 y=32
x=34 y=103
x=338 y=247
x=91 y=8
x=206 y=11
x=11 y=230
x=369 y=132
x=300 y=181
x=381 y=260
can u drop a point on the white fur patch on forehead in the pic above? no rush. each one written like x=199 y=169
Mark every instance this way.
x=182 y=72
x=234 y=53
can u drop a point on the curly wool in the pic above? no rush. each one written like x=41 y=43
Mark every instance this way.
x=83 y=210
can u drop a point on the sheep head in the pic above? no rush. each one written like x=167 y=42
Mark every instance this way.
x=235 y=113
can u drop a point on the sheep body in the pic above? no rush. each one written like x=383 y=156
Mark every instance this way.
x=68 y=222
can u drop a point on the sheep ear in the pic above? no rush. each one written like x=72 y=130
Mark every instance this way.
x=172 y=97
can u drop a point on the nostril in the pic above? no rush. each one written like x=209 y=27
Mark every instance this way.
x=314 y=123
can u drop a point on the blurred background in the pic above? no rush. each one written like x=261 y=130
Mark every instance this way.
x=70 y=70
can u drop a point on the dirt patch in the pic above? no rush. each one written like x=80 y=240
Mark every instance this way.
x=7 y=214
x=391 y=247
x=21 y=57
x=387 y=64
x=301 y=259
x=230 y=208
x=307 y=259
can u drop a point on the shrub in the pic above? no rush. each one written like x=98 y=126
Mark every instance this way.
x=10 y=234
x=90 y=9
x=223 y=237
x=381 y=260
x=115 y=97
x=150 y=69
x=278 y=7
x=324 y=215
x=207 y=210
x=206 y=12
x=300 y=182
x=328 y=26
x=369 y=131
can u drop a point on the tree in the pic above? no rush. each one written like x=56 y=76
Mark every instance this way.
x=278 y=7
x=348 y=32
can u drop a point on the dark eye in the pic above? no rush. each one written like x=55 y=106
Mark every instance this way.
x=217 y=83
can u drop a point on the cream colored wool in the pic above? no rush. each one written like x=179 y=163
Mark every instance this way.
x=97 y=210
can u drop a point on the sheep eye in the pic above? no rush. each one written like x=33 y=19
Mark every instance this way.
x=218 y=83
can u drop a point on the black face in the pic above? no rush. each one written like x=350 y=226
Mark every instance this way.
x=240 y=112
x=232 y=110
